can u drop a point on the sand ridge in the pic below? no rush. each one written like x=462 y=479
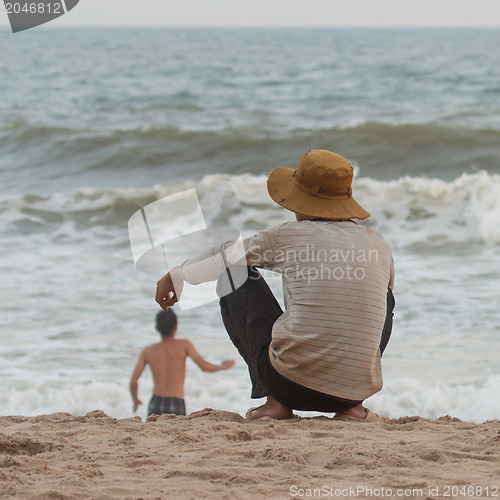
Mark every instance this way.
x=217 y=454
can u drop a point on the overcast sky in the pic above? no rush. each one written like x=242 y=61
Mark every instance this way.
x=280 y=13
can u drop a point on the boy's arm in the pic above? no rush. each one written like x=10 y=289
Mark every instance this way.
x=205 y=365
x=134 y=380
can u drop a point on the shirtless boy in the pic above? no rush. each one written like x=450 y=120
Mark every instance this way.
x=167 y=360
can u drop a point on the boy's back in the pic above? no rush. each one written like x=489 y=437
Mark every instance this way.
x=167 y=360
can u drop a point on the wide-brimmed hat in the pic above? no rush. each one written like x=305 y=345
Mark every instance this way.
x=320 y=187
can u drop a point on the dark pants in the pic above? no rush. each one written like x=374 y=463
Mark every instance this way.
x=249 y=314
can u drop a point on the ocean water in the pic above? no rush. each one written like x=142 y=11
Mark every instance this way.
x=97 y=123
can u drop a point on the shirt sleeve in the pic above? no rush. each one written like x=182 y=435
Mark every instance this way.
x=258 y=250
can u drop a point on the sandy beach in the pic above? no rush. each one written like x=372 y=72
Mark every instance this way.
x=217 y=454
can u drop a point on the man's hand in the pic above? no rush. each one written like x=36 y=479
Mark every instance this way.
x=169 y=289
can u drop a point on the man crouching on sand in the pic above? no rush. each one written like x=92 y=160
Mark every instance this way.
x=324 y=352
x=167 y=360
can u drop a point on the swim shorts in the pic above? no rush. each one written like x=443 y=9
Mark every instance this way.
x=158 y=405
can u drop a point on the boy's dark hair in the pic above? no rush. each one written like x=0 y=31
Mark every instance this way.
x=166 y=321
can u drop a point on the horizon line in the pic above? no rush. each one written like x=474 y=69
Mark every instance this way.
x=271 y=26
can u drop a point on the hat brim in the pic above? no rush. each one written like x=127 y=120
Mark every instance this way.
x=284 y=192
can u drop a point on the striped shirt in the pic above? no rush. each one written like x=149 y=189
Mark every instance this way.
x=335 y=279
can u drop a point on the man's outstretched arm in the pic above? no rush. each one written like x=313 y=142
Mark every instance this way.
x=258 y=250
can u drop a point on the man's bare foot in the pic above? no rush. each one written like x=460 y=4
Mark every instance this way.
x=271 y=409
x=359 y=412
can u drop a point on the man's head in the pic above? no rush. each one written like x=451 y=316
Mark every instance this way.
x=320 y=187
x=166 y=323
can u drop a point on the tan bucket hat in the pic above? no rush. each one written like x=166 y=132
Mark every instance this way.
x=320 y=187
